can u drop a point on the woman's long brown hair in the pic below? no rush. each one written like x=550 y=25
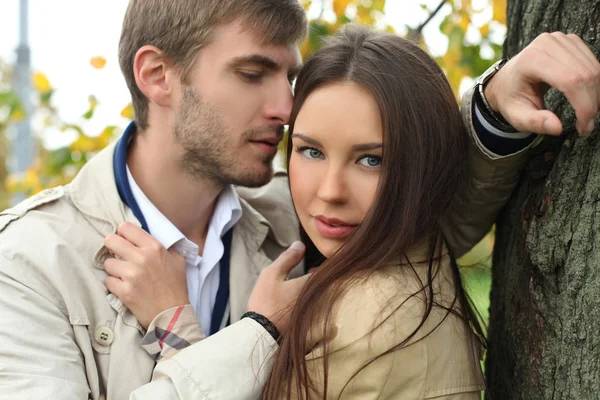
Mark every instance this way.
x=424 y=161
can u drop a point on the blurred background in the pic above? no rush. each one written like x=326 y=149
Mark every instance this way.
x=62 y=96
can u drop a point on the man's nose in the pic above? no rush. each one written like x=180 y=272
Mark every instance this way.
x=280 y=104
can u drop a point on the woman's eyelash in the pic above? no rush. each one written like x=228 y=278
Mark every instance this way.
x=302 y=149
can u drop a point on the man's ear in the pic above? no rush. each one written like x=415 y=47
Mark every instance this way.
x=154 y=75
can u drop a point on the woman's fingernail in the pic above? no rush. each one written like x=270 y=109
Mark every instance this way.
x=297 y=246
x=590 y=127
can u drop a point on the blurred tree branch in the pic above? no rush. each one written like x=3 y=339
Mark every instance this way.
x=415 y=34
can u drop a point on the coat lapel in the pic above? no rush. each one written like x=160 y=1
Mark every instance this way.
x=247 y=258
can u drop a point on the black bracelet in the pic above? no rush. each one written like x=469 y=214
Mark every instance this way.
x=265 y=323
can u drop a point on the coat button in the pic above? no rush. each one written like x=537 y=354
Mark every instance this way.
x=104 y=336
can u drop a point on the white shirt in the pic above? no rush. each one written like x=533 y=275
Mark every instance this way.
x=202 y=271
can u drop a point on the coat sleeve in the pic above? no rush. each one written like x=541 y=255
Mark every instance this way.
x=491 y=180
x=39 y=356
x=172 y=330
x=231 y=364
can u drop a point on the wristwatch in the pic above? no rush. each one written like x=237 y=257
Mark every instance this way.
x=494 y=118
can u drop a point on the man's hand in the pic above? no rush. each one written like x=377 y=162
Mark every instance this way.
x=147 y=278
x=273 y=296
x=556 y=60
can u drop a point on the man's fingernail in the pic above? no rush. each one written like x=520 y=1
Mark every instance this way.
x=547 y=127
x=297 y=246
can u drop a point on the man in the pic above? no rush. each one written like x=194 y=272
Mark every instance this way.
x=211 y=88
x=210 y=82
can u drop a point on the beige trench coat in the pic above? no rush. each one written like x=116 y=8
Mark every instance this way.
x=64 y=337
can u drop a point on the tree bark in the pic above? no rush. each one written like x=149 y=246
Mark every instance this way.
x=545 y=305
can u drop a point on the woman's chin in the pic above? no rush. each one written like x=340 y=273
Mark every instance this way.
x=327 y=248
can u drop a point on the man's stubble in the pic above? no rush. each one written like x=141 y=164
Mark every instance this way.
x=209 y=148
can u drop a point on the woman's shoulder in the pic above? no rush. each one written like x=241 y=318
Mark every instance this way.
x=388 y=308
x=391 y=299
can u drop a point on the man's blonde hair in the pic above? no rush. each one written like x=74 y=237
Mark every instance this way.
x=180 y=28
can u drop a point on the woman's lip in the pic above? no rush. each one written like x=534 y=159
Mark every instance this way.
x=333 y=221
x=333 y=232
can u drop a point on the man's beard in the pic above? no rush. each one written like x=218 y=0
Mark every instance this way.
x=209 y=149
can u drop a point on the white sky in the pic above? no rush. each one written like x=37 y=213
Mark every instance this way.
x=65 y=34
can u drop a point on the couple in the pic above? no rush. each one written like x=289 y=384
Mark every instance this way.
x=377 y=156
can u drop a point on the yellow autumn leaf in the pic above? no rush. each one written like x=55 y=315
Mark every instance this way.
x=32 y=181
x=485 y=30
x=464 y=22
x=84 y=144
x=127 y=112
x=332 y=27
x=41 y=83
x=93 y=101
x=16 y=115
x=106 y=136
x=13 y=183
x=305 y=49
x=365 y=16
x=98 y=62
x=451 y=58
x=339 y=7
x=499 y=11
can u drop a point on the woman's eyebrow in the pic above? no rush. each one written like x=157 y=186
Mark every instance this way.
x=367 y=146
x=356 y=147
x=307 y=139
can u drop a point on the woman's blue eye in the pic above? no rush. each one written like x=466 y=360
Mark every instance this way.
x=370 y=161
x=312 y=153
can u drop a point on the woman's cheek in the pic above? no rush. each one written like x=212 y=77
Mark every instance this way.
x=364 y=189
x=302 y=183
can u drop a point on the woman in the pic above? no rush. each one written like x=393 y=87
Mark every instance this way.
x=376 y=150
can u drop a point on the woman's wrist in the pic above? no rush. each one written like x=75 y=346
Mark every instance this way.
x=265 y=323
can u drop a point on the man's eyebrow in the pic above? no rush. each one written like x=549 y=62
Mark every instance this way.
x=256 y=59
x=264 y=61
x=307 y=139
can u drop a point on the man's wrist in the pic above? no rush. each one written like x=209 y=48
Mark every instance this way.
x=492 y=117
x=489 y=112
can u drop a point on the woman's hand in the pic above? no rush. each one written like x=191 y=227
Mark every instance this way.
x=274 y=296
x=146 y=277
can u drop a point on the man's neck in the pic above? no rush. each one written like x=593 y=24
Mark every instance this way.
x=188 y=204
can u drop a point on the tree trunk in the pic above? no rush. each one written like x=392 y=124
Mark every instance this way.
x=545 y=305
